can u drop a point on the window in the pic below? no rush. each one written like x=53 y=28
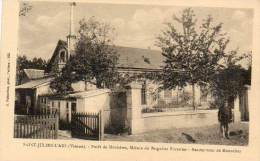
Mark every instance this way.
x=67 y=117
x=73 y=107
x=143 y=94
x=67 y=106
x=52 y=104
x=67 y=111
x=63 y=56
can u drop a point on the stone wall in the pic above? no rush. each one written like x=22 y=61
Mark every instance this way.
x=143 y=122
x=180 y=119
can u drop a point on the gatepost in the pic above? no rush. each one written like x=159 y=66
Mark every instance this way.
x=134 y=109
x=237 y=113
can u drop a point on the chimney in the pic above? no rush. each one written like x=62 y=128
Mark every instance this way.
x=71 y=38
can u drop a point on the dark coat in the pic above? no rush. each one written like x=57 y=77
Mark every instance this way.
x=225 y=115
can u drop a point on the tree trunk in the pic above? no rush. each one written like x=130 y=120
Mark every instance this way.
x=177 y=100
x=193 y=97
x=98 y=83
x=86 y=85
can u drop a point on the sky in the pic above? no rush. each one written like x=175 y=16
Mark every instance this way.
x=135 y=25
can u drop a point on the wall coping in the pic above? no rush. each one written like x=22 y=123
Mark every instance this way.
x=90 y=93
x=174 y=113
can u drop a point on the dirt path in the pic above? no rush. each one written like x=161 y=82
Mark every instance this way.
x=200 y=135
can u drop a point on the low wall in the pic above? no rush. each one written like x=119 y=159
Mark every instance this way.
x=180 y=119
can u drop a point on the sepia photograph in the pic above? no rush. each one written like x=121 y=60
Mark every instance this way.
x=133 y=73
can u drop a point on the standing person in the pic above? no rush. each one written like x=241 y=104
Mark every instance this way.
x=224 y=118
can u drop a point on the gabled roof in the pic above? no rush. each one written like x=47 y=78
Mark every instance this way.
x=34 y=83
x=139 y=58
x=130 y=57
x=63 y=43
x=34 y=73
x=60 y=43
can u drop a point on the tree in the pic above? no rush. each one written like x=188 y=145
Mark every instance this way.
x=22 y=62
x=95 y=58
x=193 y=53
x=228 y=82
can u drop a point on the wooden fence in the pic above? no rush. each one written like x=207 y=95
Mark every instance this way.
x=87 y=126
x=36 y=126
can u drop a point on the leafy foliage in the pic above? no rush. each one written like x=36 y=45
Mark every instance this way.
x=95 y=58
x=228 y=82
x=193 y=54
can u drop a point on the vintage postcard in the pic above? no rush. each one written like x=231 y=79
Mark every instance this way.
x=130 y=80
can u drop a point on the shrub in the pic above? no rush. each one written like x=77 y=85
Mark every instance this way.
x=163 y=105
x=151 y=110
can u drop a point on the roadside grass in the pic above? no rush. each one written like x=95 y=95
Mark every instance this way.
x=196 y=135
